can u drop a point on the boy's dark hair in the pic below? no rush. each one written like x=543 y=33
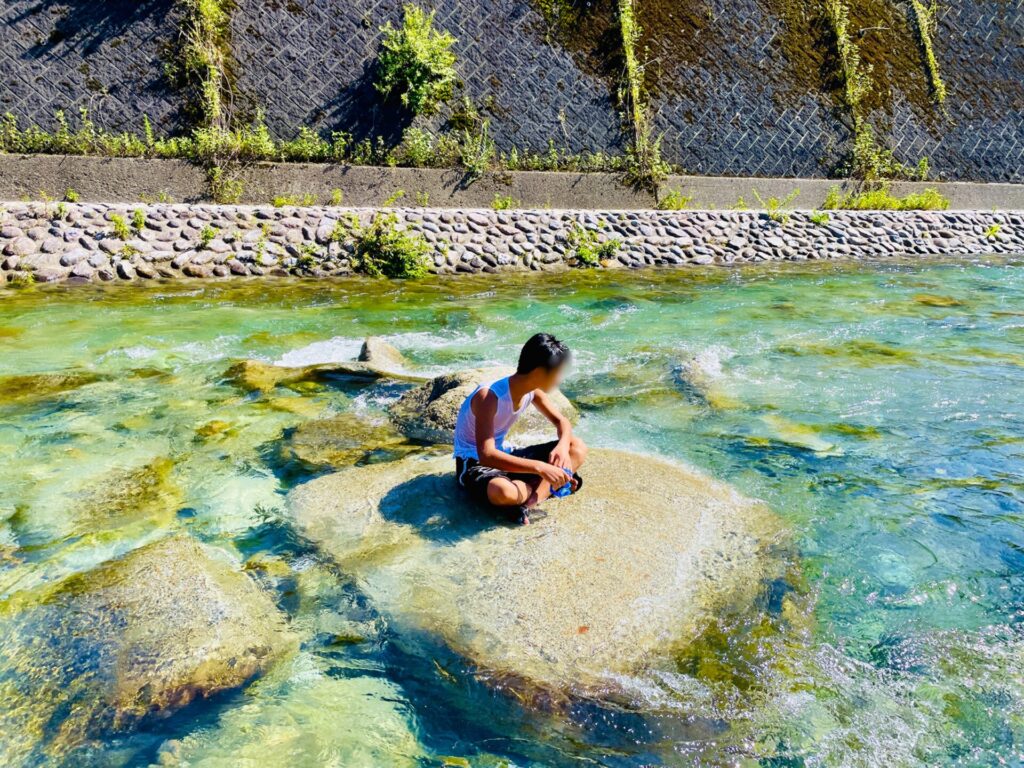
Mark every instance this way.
x=542 y=351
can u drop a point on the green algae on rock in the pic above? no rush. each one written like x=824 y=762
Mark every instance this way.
x=262 y=377
x=429 y=411
x=608 y=583
x=351 y=721
x=138 y=637
x=338 y=441
x=34 y=387
x=144 y=492
x=377 y=360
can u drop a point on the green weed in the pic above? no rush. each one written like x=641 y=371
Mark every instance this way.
x=504 y=202
x=120 y=227
x=206 y=236
x=924 y=16
x=774 y=205
x=280 y=201
x=589 y=249
x=384 y=249
x=674 y=200
x=416 y=63
x=881 y=199
x=222 y=189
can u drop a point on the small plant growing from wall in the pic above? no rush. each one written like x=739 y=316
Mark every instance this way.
x=120 y=227
x=504 y=202
x=645 y=167
x=880 y=198
x=775 y=206
x=674 y=200
x=138 y=220
x=222 y=189
x=281 y=201
x=416 y=64
x=206 y=236
x=200 y=67
x=925 y=21
x=477 y=151
x=385 y=249
x=589 y=250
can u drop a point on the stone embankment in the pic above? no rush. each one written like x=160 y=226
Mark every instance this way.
x=50 y=242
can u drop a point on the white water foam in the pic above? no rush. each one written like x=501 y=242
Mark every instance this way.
x=339 y=349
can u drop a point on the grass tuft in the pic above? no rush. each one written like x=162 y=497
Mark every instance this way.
x=881 y=199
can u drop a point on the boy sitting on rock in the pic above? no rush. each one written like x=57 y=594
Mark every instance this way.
x=517 y=479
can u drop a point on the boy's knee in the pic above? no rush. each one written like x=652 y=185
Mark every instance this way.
x=502 y=493
x=577 y=450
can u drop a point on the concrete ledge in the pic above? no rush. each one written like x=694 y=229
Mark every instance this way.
x=131 y=180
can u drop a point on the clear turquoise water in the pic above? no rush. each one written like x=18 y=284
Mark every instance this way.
x=879 y=409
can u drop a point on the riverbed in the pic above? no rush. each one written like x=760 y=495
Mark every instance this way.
x=877 y=408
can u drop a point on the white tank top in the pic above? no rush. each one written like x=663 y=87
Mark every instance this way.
x=504 y=418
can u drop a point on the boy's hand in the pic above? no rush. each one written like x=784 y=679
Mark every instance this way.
x=560 y=456
x=555 y=476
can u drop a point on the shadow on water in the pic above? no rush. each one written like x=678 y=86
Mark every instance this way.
x=458 y=705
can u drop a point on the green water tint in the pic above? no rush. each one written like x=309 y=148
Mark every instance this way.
x=877 y=409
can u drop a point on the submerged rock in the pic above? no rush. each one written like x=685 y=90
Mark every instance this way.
x=700 y=378
x=84 y=508
x=429 y=411
x=355 y=721
x=377 y=360
x=609 y=582
x=143 y=492
x=32 y=387
x=337 y=441
x=258 y=376
x=138 y=637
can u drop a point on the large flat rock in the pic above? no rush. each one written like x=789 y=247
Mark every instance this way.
x=135 y=638
x=609 y=582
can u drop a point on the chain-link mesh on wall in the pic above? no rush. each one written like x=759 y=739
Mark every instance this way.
x=979 y=134
x=308 y=62
x=737 y=87
x=102 y=55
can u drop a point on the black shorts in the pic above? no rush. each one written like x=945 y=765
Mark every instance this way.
x=473 y=477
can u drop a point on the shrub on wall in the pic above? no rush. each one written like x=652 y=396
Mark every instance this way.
x=384 y=249
x=416 y=63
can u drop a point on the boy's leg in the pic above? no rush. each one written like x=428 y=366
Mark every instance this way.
x=506 y=492
x=577 y=455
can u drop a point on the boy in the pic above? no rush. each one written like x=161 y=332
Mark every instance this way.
x=517 y=479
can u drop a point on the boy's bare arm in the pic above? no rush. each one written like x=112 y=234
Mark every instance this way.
x=485 y=405
x=560 y=453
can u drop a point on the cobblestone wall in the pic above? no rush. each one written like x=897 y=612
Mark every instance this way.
x=44 y=242
x=738 y=87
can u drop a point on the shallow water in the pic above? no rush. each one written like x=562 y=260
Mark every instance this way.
x=879 y=410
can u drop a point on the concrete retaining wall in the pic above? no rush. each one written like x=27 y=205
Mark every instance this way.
x=58 y=241
x=132 y=180
x=737 y=87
